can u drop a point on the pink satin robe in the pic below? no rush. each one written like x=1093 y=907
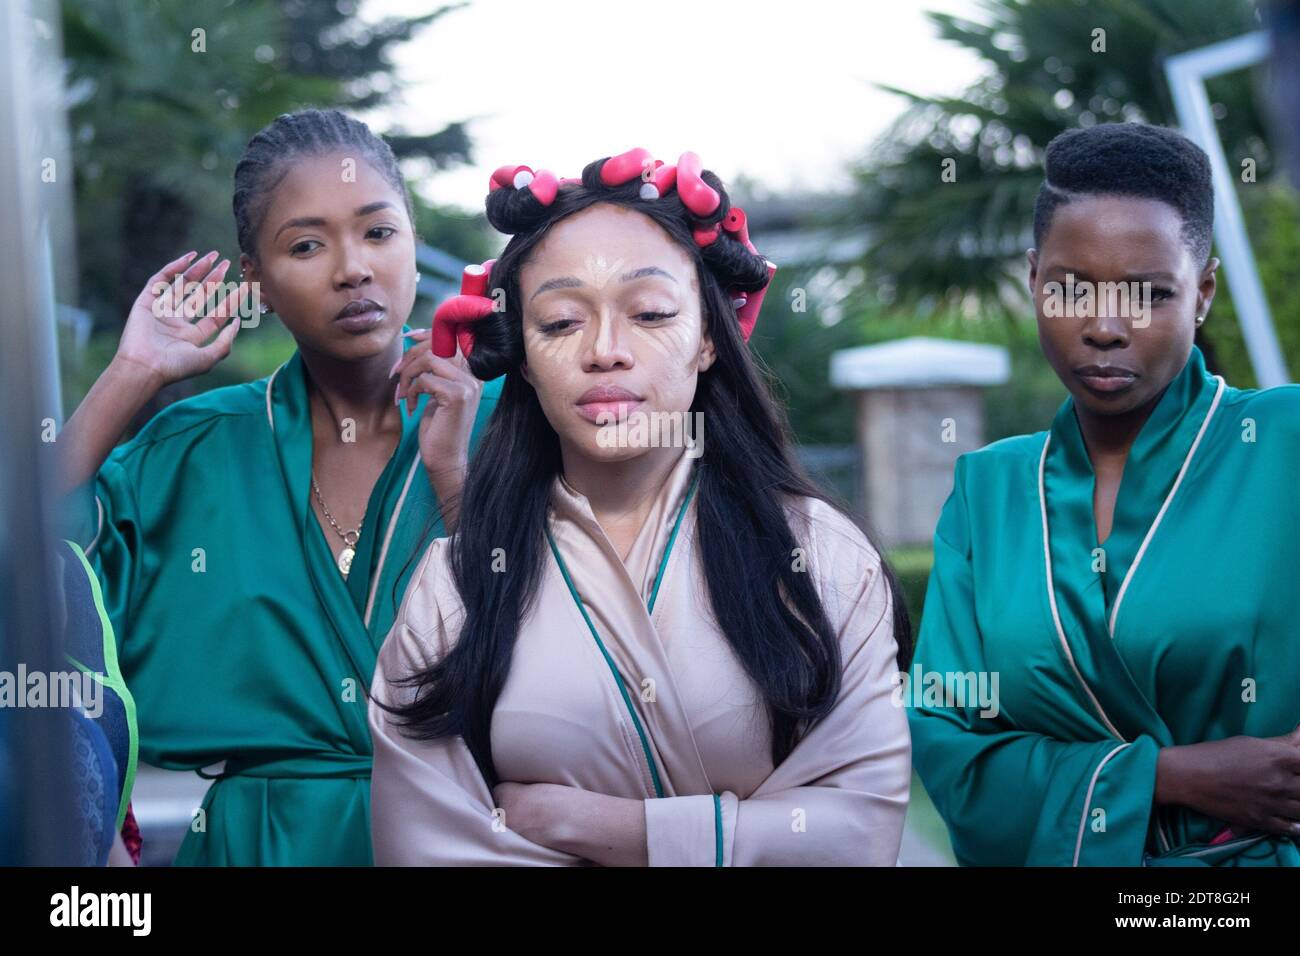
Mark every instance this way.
x=839 y=798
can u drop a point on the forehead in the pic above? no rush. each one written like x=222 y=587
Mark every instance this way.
x=1128 y=232
x=604 y=236
x=330 y=185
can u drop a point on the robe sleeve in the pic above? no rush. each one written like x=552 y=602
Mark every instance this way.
x=840 y=797
x=430 y=805
x=1012 y=797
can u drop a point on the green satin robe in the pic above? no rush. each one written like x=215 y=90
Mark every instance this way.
x=1184 y=627
x=237 y=635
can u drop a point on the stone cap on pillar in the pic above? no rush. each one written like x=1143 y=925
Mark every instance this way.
x=920 y=362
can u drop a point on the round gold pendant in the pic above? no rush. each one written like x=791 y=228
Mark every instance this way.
x=345 y=560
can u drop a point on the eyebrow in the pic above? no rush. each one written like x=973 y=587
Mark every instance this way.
x=365 y=210
x=1131 y=277
x=569 y=282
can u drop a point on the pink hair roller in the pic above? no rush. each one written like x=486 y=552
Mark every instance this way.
x=736 y=223
x=697 y=195
x=624 y=167
x=747 y=314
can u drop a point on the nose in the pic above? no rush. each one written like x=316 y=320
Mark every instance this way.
x=605 y=347
x=352 y=269
x=1108 y=324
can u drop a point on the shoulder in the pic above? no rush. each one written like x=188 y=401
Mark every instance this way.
x=429 y=617
x=1268 y=408
x=1007 y=455
x=189 y=419
x=845 y=564
x=828 y=532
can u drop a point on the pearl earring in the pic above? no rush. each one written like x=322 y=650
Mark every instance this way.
x=1200 y=320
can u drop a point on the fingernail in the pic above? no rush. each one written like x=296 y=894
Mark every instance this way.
x=393 y=371
x=397 y=399
x=415 y=332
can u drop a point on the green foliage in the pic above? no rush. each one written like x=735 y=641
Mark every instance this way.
x=934 y=241
x=160 y=113
x=1272 y=212
x=912 y=565
x=794 y=347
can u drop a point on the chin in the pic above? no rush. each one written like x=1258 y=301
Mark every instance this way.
x=591 y=449
x=364 y=344
x=1118 y=405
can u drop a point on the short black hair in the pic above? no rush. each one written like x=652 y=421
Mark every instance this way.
x=1130 y=159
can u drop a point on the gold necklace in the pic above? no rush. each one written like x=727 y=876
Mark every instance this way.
x=350 y=538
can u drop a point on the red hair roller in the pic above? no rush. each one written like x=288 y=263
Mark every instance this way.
x=747 y=314
x=697 y=195
x=452 y=319
x=625 y=167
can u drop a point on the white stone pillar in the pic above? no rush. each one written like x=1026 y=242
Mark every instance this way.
x=920 y=404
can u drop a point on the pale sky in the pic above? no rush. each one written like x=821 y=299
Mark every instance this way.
x=780 y=92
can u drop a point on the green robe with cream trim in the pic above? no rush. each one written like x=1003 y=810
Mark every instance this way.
x=237 y=635
x=1183 y=627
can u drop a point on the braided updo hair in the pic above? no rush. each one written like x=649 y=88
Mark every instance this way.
x=725 y=264
x=274 y=149
x=771 y=614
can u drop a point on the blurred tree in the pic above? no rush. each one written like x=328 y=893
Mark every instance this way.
x=165 y=96
x=935 y=243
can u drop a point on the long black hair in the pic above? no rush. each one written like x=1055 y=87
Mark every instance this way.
x=779 y=632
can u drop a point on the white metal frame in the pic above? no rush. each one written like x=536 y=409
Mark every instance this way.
x=1187 y=73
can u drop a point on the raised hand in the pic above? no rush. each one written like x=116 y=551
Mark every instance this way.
x=448 y=419
x=173 y=332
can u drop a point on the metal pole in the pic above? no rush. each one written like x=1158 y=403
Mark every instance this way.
x=1187 y=73
x=38 y=738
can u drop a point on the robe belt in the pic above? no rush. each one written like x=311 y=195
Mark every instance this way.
x=326 y=764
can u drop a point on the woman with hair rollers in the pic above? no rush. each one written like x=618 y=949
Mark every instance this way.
x=631 y=653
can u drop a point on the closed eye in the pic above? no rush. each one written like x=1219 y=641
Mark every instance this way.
x=654 y=316
x=557 y=326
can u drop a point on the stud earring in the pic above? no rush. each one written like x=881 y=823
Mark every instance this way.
x=1200 y=320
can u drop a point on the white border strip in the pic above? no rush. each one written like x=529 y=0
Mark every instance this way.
x=1087 y=800
x=1114 y=611
x=388 y=537
x=270 y=382
x=99 y=527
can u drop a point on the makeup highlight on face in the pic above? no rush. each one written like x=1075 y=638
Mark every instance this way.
x=336 y=256
x=612 y=325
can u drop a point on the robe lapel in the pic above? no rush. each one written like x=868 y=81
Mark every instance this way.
x=400 y=488
x=616 y=597
x=1087 y=580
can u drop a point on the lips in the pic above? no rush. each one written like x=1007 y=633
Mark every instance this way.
x=360 y=315
x=1107 y=379
x=610 y=401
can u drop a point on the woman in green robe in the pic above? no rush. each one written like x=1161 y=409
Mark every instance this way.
x=254 y=541
x=1126 y=582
